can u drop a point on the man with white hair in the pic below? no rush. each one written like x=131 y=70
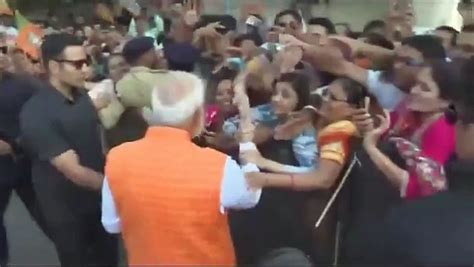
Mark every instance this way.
x=166 y=194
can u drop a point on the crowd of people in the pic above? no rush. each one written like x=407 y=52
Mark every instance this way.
x=220 y=142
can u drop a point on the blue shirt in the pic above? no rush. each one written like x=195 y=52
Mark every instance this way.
x=388 y=95
x=263 y=114
x=305 y=147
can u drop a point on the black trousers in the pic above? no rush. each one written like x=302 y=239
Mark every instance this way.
x=16 y=176
x=84 y=242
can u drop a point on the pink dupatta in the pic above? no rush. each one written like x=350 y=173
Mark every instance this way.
x=426 y=147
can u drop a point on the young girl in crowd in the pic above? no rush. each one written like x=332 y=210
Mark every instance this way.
x=423 y=134
x=221 y=87
x=291 y=94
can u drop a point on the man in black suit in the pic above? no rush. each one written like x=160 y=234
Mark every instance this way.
x=439 y=230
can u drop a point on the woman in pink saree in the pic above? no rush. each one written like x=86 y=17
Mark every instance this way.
x=422 y=133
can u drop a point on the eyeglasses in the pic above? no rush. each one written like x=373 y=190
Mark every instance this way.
x=78 y=64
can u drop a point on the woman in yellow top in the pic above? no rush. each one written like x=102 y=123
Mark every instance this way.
x=336 y=133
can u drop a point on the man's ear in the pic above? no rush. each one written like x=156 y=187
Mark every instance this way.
x=52 y=67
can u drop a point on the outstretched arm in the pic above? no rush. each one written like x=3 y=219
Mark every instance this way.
x=322 y=178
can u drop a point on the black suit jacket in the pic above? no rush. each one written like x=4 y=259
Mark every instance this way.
x=435 y=231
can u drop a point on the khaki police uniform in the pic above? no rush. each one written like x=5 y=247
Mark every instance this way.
x=134 y=93
x=135 y=88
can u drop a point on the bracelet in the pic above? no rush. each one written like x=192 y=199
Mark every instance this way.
x=292 y=180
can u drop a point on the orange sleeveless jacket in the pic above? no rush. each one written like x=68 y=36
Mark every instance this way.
x=167 y=193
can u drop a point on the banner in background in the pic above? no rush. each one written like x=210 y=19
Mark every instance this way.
x=5 y=8
x=30 y=36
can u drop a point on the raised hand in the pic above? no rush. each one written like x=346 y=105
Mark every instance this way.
x=291 y=40
x=362 y=118
x=191 y=15
x=295 y=125
x=251 y=156
x=401 y=19
x=372 y=137
x=101 y=101
x=289 y=58
x=241 y=100
x=210 y=30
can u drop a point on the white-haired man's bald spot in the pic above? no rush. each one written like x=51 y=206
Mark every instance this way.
x=175 y=101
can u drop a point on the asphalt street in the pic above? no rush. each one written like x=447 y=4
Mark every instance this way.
x=28 y=245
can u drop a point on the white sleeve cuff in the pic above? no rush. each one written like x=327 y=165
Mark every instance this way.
x=250 y=167
x=235 y=192
x=110 y=218
x=112 y=226
x=247 y=146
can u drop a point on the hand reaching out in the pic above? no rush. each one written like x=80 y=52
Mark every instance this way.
x=191 y=16
x=290 y=40
x=101 y=101
x=241 y=100
x=210 y=30
x=362 y=118
x=372 y=137
x=252 y=156
x=294 y=126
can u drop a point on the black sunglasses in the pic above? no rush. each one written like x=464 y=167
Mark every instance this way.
x=78 y=64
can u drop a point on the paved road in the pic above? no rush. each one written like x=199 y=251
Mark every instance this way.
x=28 y=245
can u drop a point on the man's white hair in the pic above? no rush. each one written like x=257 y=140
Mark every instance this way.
x=176 y=100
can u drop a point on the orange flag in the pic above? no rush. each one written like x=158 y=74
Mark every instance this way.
x=5 y=8
x=30 y=36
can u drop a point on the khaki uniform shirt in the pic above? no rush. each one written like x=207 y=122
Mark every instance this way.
x=134 y=90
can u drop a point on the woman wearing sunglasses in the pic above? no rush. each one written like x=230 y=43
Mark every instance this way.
x=422 y=132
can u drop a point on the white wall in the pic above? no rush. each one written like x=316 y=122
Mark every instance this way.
x=430 y=13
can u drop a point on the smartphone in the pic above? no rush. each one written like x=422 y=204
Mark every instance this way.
x=229 y=22
x=253 y=21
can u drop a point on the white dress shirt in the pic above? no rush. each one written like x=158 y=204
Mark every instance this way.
x=388 y=95
x=235 y=193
